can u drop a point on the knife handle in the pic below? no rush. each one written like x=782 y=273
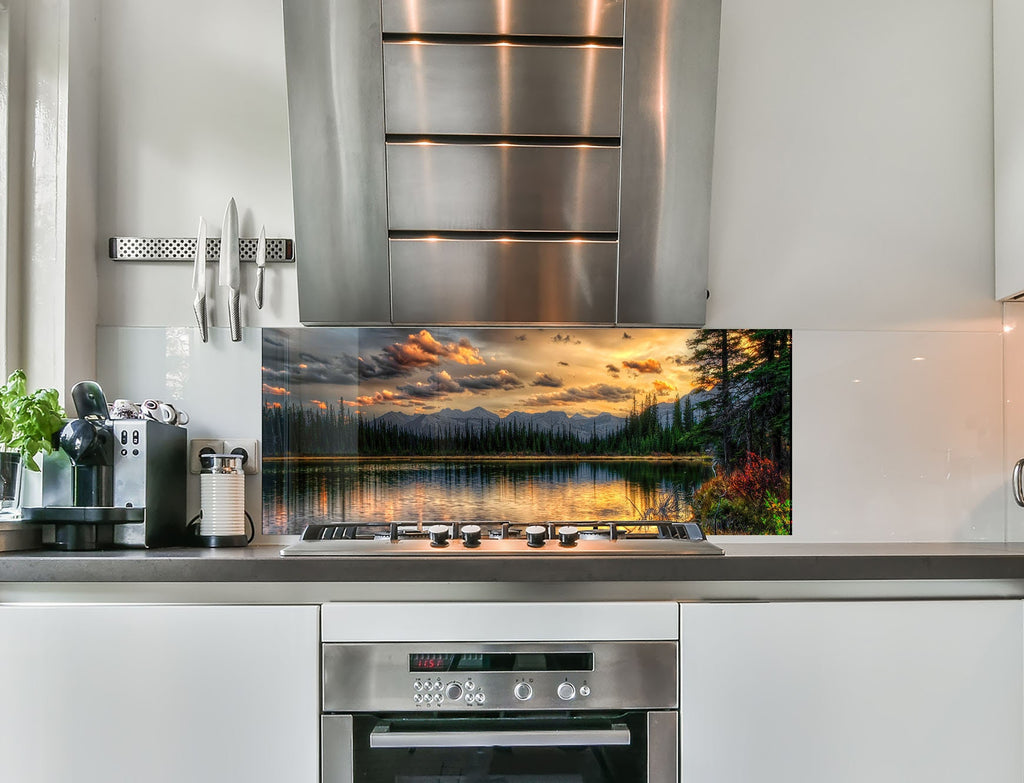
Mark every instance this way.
x=199 y=306
x=234 y=317
x=258 y=294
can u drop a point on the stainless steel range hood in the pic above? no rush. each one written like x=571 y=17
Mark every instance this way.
x=502 y=161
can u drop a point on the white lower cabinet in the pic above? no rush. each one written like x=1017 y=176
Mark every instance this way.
x=852 y=692
x=159 y=694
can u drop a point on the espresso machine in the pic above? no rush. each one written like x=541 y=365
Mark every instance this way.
x=112 y=483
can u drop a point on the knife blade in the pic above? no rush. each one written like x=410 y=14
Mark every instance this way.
x=229 y=273
x=261 y=262
x=199 y=282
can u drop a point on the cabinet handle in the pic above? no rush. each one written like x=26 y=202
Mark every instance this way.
x=1018 y=488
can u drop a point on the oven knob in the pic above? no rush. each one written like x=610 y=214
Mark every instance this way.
x=470 y=685
x=568 y=535
x=479 y=698
x=417 y=686
x=417 y=699
x=535 y=535
x=522 y=691
x=453 y=692
x=584 y=690
x=438 y=535
x=566 y=691
x=471 y=535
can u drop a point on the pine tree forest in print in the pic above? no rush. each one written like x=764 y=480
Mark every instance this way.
x=527 y=425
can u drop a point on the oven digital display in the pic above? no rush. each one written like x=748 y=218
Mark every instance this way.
x=502 y=662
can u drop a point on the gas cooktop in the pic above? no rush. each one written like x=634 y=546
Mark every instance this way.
x=456 y=539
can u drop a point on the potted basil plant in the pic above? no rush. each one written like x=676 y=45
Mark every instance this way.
x=28 y=423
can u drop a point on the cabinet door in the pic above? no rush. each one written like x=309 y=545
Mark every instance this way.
x=852 y=692
x=162 y=694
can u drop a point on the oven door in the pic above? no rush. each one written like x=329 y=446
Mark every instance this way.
x=630 y=747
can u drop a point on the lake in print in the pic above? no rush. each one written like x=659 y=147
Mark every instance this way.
x=297 y=491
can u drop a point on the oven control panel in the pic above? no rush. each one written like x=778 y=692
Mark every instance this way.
x=514 y=676
x=535 y=691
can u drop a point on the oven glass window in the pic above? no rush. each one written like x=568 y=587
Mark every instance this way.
x=482 y=759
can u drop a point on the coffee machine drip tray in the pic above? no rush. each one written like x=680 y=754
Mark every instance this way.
x=92 y=515
x=78 y=528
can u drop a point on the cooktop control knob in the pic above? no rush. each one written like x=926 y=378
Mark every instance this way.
x=535 y=535
x=566 y=691
x=438 y=535
x=471 y=535
x=453 y=691
x=523 y=691
x=568 y=535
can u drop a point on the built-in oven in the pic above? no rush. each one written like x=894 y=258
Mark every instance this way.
x=516 y=712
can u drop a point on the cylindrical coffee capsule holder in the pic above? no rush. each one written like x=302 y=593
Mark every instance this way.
x=222 y=498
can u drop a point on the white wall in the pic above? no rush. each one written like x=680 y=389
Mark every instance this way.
x=852 y=202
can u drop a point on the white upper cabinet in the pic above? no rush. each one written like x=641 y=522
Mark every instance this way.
x=1008 y=112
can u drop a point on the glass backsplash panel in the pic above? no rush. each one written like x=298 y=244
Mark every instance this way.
x=528 y=425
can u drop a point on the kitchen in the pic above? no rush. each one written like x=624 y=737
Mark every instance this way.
x=852 y=202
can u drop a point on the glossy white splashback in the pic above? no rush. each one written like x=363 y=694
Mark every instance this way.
x=217 y=383
x=897 y=436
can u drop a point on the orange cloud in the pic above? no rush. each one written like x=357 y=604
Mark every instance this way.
x=273 y=405
x=661 y=388
x=383 y=397
x=646 y=366
x=277 y=391
x=319 y=403
x=423 y=350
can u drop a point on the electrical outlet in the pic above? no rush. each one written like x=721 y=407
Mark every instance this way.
x=249 y=448
x=198 y=446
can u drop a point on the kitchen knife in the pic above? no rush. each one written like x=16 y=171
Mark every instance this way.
x=199 y=281
x=261 y=262
x=229 y=274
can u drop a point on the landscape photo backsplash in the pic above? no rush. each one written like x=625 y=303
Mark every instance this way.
x=527 y=425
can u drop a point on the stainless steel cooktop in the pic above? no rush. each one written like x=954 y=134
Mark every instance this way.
x=467 y=539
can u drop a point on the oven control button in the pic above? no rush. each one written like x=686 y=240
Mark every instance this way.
x=417 y=699
x=471 y=535
x=417 y=686
x=453 y=691
x=568 y=535
x=438 y=535
x=470 y=685
x=584 y=690
x=438 y=698
x=535 y=535
x=522 y=691
x=566 y=691
x=479 y=698
x=469 y=698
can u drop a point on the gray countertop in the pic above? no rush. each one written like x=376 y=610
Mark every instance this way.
x=743 y=562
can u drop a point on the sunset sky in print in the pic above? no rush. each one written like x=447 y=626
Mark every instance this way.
x=377 y=370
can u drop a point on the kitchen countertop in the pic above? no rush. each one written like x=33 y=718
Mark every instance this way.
x=748 y=570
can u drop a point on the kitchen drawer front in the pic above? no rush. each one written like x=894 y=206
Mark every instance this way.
x=502 y=89
x=510 y=281
x=594 y=18
x=502 y=187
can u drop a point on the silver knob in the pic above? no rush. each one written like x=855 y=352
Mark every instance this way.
x=566 y=691
x=453 y=692
x=522 y=691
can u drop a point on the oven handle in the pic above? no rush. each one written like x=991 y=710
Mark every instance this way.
x=383 y=737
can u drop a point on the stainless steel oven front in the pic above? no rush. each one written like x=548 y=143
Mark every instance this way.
x=520 y=712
